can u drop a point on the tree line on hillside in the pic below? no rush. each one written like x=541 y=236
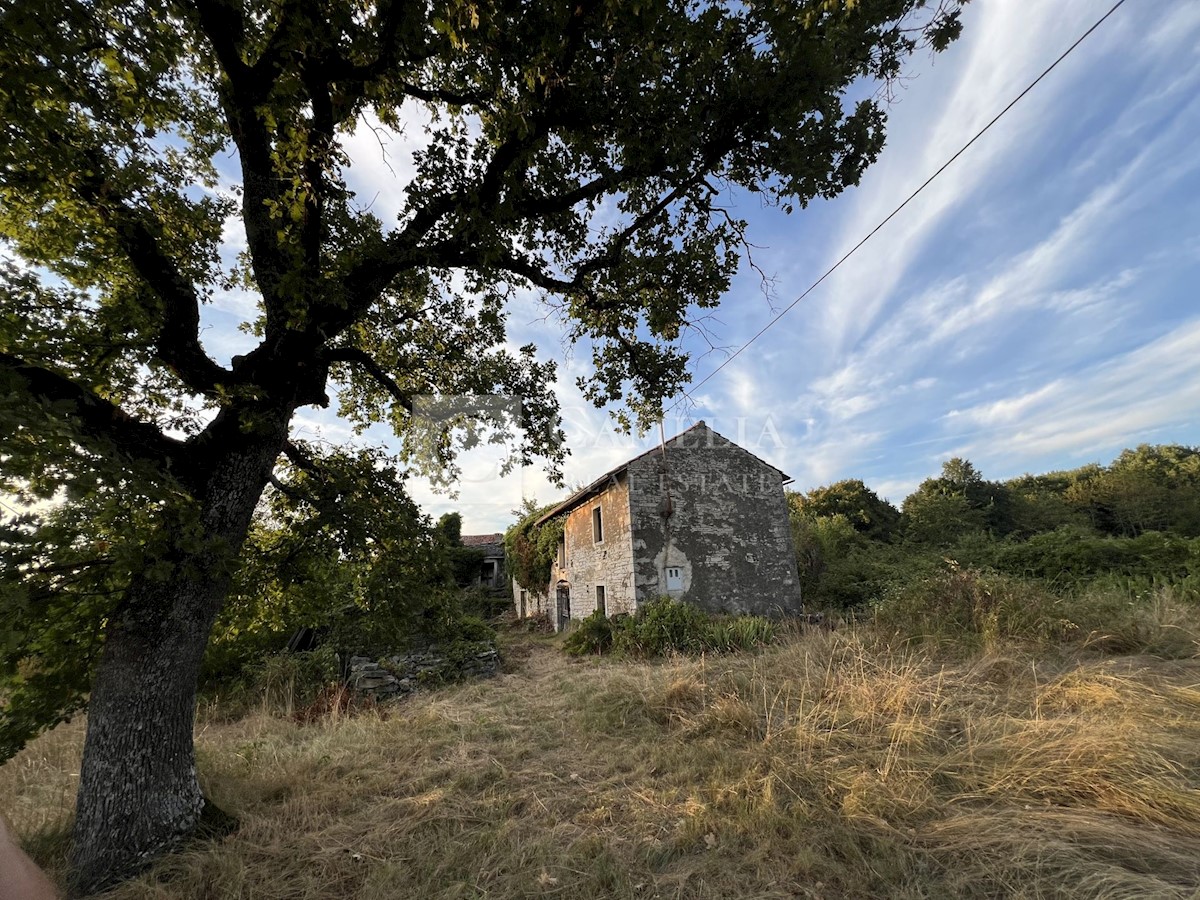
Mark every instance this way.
x=1136 y=520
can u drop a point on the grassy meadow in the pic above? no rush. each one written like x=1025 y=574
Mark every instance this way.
x=831 y=764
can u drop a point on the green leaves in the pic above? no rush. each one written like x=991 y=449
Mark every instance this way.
x=573 y=154
x=65 y=569
x=338 y=546
x=530 y=549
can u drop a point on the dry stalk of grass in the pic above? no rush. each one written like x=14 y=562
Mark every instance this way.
x=830 y=766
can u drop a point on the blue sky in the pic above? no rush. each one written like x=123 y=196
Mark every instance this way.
x=1037 y=307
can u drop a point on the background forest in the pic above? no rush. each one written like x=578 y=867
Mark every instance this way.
x=1093 y=540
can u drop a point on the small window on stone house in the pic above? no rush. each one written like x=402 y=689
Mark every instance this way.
x=674 y=578
x=597 y=526
x=601 y=603
x=562 y=553
x=524 y=598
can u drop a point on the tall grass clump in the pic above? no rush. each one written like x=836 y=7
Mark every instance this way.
x=286 y=682
x=1163 y=621
x=971 y=609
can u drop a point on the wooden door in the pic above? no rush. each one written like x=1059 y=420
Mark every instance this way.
x=564 y=606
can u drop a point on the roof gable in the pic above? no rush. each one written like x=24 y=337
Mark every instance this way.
x=594 y=488
x=482 y=540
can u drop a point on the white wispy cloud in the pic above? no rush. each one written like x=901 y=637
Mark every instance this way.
x=383 y=162
x=1003 y=44
x=1100 y=408
x=1035 y=303
x=1054 y=297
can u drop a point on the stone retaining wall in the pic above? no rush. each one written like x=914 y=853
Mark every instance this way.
x=401 y=674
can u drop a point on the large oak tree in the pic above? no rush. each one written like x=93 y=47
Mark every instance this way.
x=581 y=149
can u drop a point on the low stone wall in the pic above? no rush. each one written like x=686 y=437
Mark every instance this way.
x=399 y=675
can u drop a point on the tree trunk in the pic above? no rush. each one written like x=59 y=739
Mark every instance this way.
x=138 y=791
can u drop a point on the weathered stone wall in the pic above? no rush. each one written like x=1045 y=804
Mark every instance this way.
x=607 y=563
x=397 y=676
x=728 y=531
x=535 y=601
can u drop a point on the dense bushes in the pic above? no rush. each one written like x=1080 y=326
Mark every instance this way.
x=340 y=549
x=664 y=627
x=1071 y=556
x=464 y=562
x=1133 y=525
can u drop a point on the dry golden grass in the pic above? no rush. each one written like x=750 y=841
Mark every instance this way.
x=830 y=766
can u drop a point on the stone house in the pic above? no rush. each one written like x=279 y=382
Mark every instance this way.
x=699 y=519
x=491 y=567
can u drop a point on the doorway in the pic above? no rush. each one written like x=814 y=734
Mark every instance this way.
x=564 y=605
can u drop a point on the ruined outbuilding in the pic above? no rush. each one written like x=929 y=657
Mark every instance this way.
x=698 y=519
x=490 y=547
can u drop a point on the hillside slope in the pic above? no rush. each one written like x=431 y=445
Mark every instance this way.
x=830 y=766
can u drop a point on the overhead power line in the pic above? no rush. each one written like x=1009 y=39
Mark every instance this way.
x=944 y=166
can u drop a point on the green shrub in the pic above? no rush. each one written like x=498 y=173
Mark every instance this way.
x=592 y=636
x=1071 y=557
x=471 y=629
x=742 y=633
x=665 y=626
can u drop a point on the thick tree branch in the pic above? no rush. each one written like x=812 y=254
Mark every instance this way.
x=451 y=255
x=551 y=94
x=318 y=143
x=289 y=491
x=616 y=246
x=242 y=91
x=224 y=24
x=100 y=424
x=606 y=182
x=274 y=57
x=352 y=79
x=365 y=361
x=300 y=459
x=177 y=343
x=372 y=276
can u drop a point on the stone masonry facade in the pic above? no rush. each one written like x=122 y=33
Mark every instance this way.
x=710 y=526
x=607 y=563
x=705 y=522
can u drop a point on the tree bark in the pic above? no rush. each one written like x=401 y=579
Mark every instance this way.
x=138 y=791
